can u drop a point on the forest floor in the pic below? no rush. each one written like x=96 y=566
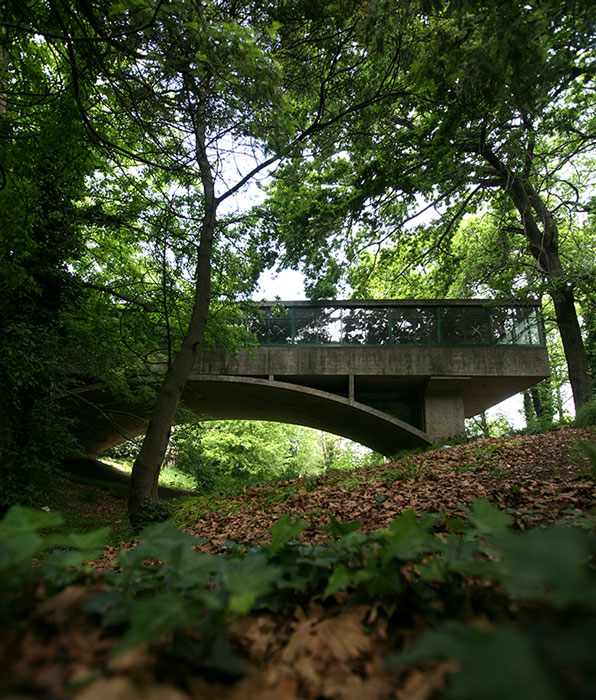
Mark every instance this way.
x=320 y=649
x=536 y=478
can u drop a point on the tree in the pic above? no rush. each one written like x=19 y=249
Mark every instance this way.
x=226 y=454
x=212 y=93
x=42 y=187
x=496 y=107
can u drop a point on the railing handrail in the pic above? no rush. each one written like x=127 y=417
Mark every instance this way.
x=414 y=323
x=391 y=303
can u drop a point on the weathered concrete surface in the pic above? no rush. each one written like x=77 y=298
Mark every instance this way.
x=489 y=374
x=444 y=416
x=221 y=397
x=320 y=387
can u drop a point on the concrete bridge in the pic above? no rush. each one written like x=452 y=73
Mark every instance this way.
x=388 y=374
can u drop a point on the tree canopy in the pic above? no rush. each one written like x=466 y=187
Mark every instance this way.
x=495 y=116
x=132 y=130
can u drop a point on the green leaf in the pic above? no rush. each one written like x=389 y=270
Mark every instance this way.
x=19 y=539
x=285 y=530
x=65 y=559
x=493 y=663
x=20 y=549
x=456 y=525
x=246 y=579
x=487 y=519
x=162 y=541
x=339 y=580
x=152 y=616
x=21 y=519
x=434 y=570
x=339 y=529
x=408 y=536
x=551 y=564
x=73 y=540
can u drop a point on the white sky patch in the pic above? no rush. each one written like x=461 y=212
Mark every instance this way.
x=287 y=285
x=512 y=409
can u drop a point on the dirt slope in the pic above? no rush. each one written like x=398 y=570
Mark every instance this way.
x=536 y=478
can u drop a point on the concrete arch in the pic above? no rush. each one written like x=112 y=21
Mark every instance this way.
x=105 y=423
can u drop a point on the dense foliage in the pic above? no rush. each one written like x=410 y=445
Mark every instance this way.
x=227 y=455
x=133 y=133
x=513 y=611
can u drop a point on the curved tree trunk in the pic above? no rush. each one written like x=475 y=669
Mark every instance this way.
x=542 y=234
x=145 y=471
x=573 y=345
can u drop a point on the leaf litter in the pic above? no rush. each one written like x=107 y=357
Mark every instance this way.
x=536 y=478
x=328 y=648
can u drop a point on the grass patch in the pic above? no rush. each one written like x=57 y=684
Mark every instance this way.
x=406 y=468
x=87 y=504
x=186 y=511
x=169 y=476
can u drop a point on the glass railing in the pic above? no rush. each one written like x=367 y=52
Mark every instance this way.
x=395 y=323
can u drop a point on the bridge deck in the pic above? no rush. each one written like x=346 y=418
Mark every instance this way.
x=387 y=374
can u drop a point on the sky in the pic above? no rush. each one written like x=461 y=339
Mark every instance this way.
x=288 y=285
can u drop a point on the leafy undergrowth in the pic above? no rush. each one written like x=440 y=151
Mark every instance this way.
x=463 y=600
x=87 y=504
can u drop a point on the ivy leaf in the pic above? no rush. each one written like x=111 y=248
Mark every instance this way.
x=487 y=519
x=338 y=581
x=152 y=616
x=552 y=563
x=80 y=541
x=339 y=529
x=163 y=541
x=19 y=539
x=246 y=579
x=20 y=519
x=408 y=536
x=285 y=530
x=434 y=570
x=493 y=663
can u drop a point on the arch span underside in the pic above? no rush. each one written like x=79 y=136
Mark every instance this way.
x=107 y=422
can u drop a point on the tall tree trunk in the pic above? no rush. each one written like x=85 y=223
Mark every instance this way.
x=573 y=345
x=588 y=312
x=542 y=235
x=145 y=471
x=537 y=403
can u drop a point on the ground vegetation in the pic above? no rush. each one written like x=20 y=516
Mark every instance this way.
x=404 y=581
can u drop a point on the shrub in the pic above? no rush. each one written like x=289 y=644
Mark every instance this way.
x=129 y=449
x=586 y=415
x=152 y=512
